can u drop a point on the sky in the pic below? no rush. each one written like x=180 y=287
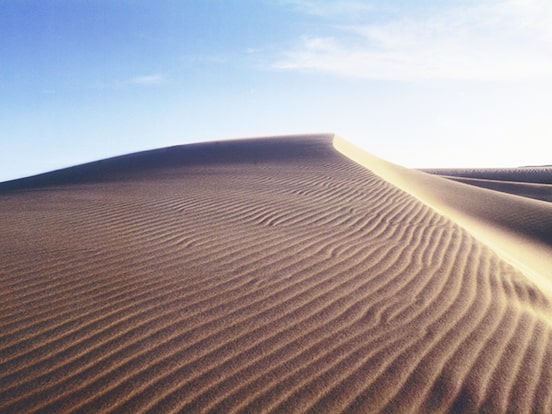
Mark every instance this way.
x=421 y=83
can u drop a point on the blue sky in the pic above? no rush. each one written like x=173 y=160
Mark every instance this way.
x=421 y=83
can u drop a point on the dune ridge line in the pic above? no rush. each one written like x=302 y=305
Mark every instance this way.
x=518 y=229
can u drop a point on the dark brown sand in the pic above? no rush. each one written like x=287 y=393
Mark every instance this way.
x=262 y=275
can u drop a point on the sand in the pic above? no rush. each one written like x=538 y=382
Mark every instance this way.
x=288 y=274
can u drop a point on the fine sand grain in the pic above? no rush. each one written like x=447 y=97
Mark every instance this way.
x=277 y=274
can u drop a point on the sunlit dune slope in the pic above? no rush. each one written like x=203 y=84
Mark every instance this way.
x=519 y=229
x=265 y=275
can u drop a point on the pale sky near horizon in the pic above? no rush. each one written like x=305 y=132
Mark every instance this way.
x=425 y=83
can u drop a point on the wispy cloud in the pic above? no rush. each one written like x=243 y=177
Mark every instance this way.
x=149 y=80
x=327 y=8
x=501 y=40
x=203 y=58
x=145 y=80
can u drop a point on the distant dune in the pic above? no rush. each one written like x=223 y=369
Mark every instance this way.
x=532 y=182
x=288 y=274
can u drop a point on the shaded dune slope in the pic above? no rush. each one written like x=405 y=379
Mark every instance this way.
x=164 y=163
x=252 y=276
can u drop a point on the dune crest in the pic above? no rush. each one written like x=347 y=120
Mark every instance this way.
x=518 y=229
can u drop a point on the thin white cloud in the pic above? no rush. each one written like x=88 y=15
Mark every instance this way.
x=203 y=58
x=145 y=80
x=328 y=8
x=502 y=40
x=253 y=50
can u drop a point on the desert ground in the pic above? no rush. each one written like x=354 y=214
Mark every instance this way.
x=285 y=274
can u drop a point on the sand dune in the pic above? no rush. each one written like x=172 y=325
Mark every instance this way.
x=531 y=182
x=529 y=190
x=535 y=174
x=270 y=275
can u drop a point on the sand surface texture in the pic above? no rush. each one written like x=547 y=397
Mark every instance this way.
x=270 y=275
